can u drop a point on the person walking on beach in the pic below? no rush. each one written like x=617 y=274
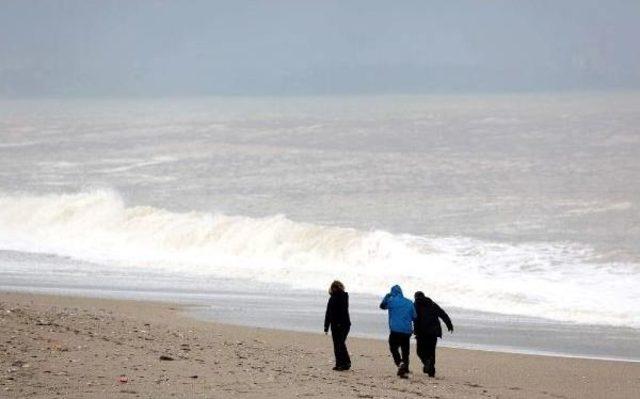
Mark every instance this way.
x=337 y=317
x=401 y=315
x=428 y=330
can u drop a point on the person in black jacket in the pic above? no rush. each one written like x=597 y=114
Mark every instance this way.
x=427 y=330
x=337 y=317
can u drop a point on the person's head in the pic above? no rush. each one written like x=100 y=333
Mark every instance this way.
x=336 y=287
x=419 y=295
x=396 y=290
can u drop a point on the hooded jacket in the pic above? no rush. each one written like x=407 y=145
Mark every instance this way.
x=428 y=321
x=401 y=311
x=337 y=314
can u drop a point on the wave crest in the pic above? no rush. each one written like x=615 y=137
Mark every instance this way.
x=546 y=280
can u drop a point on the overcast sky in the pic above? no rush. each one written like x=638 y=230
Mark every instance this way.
x=155 y=47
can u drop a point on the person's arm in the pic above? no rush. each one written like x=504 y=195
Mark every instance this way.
x=327 y=316
x=445 y=317
x=385 y=302
x=416 y=320
x=344 y=309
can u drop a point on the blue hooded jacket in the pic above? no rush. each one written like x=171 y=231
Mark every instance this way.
x=402 y=313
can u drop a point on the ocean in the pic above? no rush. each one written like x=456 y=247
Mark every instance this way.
x=518 y=212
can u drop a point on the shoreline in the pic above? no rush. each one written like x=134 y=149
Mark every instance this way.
x=489 y=333
x=79 y=347
x=441 y=343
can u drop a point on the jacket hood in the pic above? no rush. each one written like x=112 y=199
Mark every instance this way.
x=396 y=290
x=421 y=298
x=424 y=300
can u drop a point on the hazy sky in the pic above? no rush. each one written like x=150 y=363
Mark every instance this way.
x=154 y=47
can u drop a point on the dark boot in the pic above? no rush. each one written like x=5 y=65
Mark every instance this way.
x=403 y=370
x=432 y=370
x=429 y=367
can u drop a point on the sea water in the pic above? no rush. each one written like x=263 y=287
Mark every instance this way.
x=526 y=206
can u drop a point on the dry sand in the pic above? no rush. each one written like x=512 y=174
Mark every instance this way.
x=67 y=347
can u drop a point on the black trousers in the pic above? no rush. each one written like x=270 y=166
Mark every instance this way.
x=426 y=347
x=339 y=336
x=400 y=341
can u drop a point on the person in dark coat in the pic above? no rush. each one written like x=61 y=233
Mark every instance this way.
x=337 y=317
x=427 y=330
x=401 y=314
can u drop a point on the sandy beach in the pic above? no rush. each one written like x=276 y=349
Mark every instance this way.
x=54 y=346
x=191 y=192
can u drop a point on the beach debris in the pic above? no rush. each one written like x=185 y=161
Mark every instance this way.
x=123 y=379
x=193 y=376
x=166 y=358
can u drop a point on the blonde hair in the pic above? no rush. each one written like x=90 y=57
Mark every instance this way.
x=336 y=286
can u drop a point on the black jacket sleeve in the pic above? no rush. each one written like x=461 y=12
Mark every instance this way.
x=445 y=317
x=385 y=302
x=417 y=322
x=327 y=315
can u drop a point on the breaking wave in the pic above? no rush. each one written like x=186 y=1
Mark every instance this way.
x=550 y=280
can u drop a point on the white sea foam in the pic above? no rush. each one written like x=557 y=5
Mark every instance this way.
x=554 y=281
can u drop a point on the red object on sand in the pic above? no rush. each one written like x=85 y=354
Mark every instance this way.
x=123 y=379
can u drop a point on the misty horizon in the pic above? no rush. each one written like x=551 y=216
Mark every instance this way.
x=159 y=48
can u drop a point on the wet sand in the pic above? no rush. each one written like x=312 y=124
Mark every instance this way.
x=55 y=346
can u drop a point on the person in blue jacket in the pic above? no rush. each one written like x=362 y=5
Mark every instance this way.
x=402 y=313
